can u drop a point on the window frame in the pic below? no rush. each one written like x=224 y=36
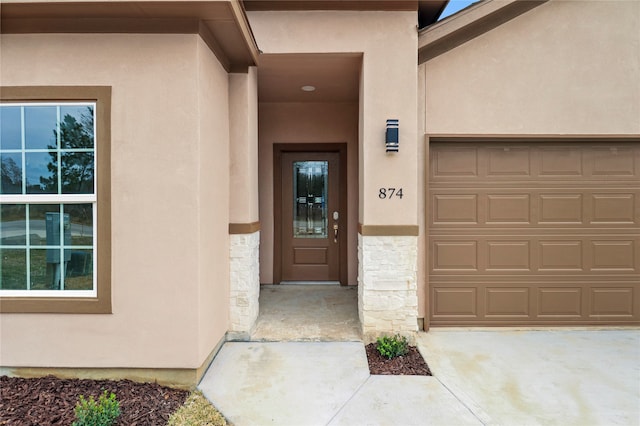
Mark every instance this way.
x=100 y=301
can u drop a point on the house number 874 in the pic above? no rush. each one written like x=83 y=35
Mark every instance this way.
x=389 y=193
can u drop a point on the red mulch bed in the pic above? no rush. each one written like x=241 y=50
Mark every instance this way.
x=51 y=401
x=411 y=364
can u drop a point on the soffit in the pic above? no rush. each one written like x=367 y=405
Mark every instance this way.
x=469 y=24
x=222 y=24
x=428 y=10
x=336 y=77
x=263 y=5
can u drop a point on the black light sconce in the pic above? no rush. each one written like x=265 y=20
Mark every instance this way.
x=391 y=137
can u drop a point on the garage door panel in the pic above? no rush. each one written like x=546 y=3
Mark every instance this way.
x=538 y=233
x=537 y=207
x=560 y=302
x=563 y=209
x=614 y=161
x=508 y=208
x=508 y=256
x=455 y=256
x=526 y=253
x=616 y=255
x=541 y=162
x=612 y=302
x=610 y=208
x=507 y=161
x=561 y=255
x=455 y=162
x=532 y=303
x=561 y=162
x=455 y=208
x=507 y=302
x=455 y=302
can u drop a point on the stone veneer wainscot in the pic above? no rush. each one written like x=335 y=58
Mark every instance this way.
x=245 y=284
x=387 y=285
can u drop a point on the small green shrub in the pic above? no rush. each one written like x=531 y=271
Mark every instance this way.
x=392 y=346
x=104 y=412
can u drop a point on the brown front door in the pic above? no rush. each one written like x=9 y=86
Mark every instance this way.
x=311 y=218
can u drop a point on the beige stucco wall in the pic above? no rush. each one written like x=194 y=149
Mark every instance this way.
x=563 y=68
x=388 y=41
x=243 y=104
x=213 y=196
x=169 y=173
x=306 y=123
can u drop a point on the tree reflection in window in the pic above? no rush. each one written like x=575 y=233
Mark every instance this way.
x=77 y=167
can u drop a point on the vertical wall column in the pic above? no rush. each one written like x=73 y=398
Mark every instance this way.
x=244 y=226
x=387 y=284
x=388 y=189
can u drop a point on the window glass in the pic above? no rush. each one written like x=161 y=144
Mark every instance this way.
x=48 y=244
x=76 y=127
x=43 y=275
x=11 y=179
x=310 y=199
x=79 y=269
x=13 y=269
x=13 y=230
x=38 y=232
x=42 y=172
x=81 y=220
x=40 y=127
x=10 y=133
x=77 y=172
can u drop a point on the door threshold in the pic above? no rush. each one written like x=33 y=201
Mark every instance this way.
x=309 y=282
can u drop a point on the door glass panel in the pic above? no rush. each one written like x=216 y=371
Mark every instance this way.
x=310 y=180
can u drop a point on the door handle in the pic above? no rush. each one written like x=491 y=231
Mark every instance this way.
x=335 y=232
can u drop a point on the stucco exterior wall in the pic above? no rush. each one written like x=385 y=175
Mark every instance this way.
x=169 y=178
x=243 y=113
x=213 y=198
x=388 y=41
x=306 y=123
x=563 y=68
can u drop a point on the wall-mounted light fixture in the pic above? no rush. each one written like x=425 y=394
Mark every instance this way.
x=391 y=138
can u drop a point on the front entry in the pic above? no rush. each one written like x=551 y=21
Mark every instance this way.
x=311 y=219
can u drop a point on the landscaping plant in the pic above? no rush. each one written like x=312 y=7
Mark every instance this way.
x=392 y=346
x=103 y=412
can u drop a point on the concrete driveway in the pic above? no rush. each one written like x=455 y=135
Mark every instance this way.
x=497 y=377
x=546 y=377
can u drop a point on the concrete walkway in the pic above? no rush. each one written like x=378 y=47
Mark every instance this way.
x=581 y=377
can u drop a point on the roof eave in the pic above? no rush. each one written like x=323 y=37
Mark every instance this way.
x=302 y=5
x=222 y=24
x=468 y=24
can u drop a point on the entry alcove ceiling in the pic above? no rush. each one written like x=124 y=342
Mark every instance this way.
x=336 y=77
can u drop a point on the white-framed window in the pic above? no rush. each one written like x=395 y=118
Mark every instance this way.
x=48 y=199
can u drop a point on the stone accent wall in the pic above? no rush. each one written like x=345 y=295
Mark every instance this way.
x=387 y=285
x=245 y=284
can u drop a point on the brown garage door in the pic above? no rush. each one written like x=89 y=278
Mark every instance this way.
x=534 y=233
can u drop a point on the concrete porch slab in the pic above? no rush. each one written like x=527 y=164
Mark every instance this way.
x=324 y=313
